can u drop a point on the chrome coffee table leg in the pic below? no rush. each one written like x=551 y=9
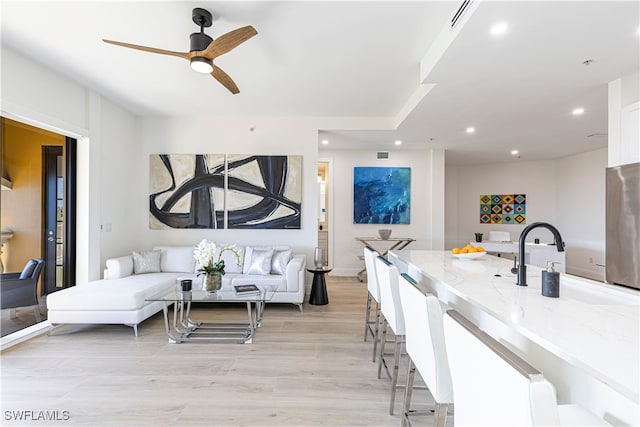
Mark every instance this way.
x=167 y=325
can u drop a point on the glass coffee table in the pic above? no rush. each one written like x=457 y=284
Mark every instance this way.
x=183 y=329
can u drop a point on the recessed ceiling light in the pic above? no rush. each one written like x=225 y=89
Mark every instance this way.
x=577 y=111
x=514 y=152
x=398 y=142
x=325 y=142
x=499 y=28
x=471 y=130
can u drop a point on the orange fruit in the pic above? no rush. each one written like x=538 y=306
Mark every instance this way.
x=464 y=250
x=479 y=249
x=455 y=251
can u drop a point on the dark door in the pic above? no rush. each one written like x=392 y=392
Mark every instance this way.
x=54 y=213
x=59 y=216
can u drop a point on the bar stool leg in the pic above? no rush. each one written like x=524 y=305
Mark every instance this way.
x=383 y=339
x=367 y=317
x=399 y=339
x=440 y=415
x=408 y=392
x=376 y=336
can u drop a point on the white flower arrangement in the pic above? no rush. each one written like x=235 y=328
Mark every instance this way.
x=205 y=252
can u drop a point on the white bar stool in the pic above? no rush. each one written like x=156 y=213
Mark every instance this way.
x=391 y=309
x=424 y=336
x=371 y=327
x=492 y=386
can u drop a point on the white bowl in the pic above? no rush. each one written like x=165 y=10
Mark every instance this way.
x=472 y=255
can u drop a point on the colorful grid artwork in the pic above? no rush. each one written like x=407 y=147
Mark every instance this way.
x=503 y=209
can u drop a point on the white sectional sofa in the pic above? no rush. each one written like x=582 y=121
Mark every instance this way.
x=120 y=296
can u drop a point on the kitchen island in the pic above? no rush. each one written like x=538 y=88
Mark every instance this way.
x=587 y=342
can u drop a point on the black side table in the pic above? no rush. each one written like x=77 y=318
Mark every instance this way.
x=319 y=286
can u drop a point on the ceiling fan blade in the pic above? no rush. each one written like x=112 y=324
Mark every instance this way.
x=228 y=41
x=185 y=55
x=225 y=80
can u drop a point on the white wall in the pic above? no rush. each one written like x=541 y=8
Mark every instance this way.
x=465 y=184
x=118 y=167
x=427 y=198
x=581 y=206
x=568 y=193
x=29 y=86
x=271 y=136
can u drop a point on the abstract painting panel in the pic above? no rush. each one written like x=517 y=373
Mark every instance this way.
x=503 y=209
x=381 y=195
x=186 y=191
x=264 y=192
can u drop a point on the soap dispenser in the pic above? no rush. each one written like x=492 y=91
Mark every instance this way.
x=550 y=281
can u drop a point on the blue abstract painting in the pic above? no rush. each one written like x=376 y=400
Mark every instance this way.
x=381 y=195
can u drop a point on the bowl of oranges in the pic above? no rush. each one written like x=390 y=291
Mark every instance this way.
x=468 y=252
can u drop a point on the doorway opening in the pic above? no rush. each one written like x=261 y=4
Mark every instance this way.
x=323 y=208
x=38 y=210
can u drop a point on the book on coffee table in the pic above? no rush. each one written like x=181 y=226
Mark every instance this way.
x=246 y=289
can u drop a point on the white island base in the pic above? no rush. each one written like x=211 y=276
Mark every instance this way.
x=587 y=342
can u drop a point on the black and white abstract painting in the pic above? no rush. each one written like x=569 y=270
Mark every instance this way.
x=264 y=192
x=204 y=191
x=186 y=191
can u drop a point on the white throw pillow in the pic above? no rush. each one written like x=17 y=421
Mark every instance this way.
x=249 y=251
x=279 y=262
x=260 y=262
x=176 y=259
x=146 y=262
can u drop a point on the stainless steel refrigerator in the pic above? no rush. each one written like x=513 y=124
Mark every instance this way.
x=623 y=225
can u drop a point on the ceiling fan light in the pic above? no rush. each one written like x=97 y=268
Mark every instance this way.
x=201 y=65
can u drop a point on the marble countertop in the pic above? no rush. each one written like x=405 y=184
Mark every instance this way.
x=593 y=326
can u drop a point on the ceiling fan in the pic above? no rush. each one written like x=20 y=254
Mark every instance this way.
x=203 y=48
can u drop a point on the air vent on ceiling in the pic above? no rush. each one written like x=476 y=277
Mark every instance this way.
x=382 y=155
x=460 y=12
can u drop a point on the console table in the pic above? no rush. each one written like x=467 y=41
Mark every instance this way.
x=397 y=243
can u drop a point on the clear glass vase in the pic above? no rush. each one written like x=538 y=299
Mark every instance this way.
x=212 y=283
x=319 y=258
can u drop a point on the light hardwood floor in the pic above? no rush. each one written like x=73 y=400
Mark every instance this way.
x=310 y=368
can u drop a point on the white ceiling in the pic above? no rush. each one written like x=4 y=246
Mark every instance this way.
x=358 y=60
